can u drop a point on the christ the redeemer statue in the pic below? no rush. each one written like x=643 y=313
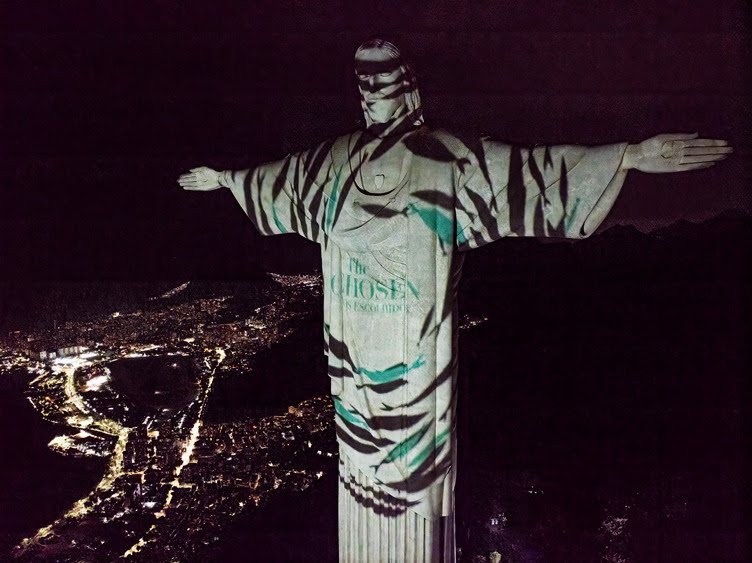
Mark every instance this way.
x=394 y=208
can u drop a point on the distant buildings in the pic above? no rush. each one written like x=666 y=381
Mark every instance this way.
x=40 y=351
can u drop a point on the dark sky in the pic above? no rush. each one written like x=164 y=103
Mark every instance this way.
x=105 y=104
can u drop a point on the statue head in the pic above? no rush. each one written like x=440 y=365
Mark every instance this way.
x=388 y=89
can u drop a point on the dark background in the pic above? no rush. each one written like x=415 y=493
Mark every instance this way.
x=611 y=374
x=105 y=104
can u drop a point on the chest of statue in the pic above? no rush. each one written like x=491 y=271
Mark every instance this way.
x=382 y=187
x=371 y=195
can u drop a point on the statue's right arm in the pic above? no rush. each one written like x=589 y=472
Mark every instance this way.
x=278 y=197
x=204 y=179
x=283 y=196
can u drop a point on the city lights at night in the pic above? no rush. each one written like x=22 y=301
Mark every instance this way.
x=166 y=461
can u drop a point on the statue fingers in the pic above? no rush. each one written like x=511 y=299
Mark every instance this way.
x=187 y=180
x=696 y=166
x=701 y=158
x=706 y=150
x=706 y=143
x=678 y=136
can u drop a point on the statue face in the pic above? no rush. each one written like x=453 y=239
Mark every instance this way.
x=381 y=84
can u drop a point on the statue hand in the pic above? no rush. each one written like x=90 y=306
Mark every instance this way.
x=201 y=179
x=675 y=153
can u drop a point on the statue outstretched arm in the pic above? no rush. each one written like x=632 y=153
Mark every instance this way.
x=562 y=191
x=279 y=197
x=677 y=152
x=557 y=191
x=205 y=179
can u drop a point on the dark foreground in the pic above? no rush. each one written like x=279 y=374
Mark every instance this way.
x=601 y=407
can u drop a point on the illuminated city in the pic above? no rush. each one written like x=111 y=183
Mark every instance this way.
x=175 y=476
x=174 y=479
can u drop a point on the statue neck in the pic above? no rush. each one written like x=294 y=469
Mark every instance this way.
x=390 y=129
x=400 y=124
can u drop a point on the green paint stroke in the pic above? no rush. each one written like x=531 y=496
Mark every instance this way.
x=436 y=221
x=280 y=226
x=430 y=448
x=332 y=207
x=347 y=415
x=572 y=213
x=391 y=374
x=405 y=446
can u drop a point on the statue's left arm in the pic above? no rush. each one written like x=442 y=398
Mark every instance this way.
x=562 y=191
x=663 y=154
x=675 y=153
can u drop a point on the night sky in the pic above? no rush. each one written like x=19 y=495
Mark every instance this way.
x=105 y=104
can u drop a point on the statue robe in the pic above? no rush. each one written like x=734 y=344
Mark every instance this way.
x=391 y=263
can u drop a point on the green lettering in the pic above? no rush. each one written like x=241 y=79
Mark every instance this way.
x=382 y=291
x=370 y=286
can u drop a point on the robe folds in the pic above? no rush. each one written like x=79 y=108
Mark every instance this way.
x=391 y=260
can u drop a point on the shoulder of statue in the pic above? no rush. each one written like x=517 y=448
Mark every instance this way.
x=343 y=141
x=443 y=141
x=340 y=147
x=447 y=137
